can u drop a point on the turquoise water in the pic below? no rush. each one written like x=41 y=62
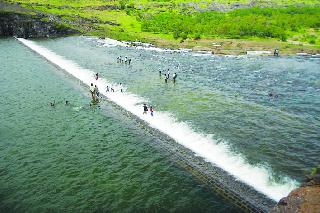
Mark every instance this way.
x=227 y=97
x=80 y=158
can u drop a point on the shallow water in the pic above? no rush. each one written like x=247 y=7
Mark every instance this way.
x=224 y=98
x=80 y=158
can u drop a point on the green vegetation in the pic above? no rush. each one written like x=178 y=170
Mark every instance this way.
x=315 y=171
x=242 y=23
x=171 y=22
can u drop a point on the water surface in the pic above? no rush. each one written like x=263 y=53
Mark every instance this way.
x=79 y=158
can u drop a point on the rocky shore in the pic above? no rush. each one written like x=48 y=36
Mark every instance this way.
x=30 y=26
x=21 y=22
x=305 y=199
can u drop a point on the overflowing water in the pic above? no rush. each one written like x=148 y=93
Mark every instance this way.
x=79 y=158
x=255 y=117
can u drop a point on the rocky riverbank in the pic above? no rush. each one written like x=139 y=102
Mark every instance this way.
x=305 y=199
x=30 y=26
x=20 y=22
x=36 y=19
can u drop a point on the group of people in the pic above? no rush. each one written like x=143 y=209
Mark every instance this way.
x=271 y=95
x=111 y=89
x=94 y=92
x=145 y=109
x=167 y=76
x=53 y=104
x=126 y=60
x=120 y=59
x=94 y=89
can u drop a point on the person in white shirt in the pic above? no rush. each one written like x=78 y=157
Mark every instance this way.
x=93 y=94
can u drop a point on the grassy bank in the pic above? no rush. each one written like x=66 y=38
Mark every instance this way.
x=223 y=26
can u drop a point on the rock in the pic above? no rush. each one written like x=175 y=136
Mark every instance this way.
x=305 y=199
x=31 y=26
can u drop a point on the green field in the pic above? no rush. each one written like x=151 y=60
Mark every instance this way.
x=179 y=22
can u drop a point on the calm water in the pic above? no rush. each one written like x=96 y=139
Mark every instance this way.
x=79 y=158
x=97 y=159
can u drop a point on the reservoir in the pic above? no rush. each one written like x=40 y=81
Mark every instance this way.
x=257 y=118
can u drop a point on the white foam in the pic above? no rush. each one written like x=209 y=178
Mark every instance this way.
x=202 y=145
x=259 y=52
x=202 y=53
x=158 y=49
x=108 y=42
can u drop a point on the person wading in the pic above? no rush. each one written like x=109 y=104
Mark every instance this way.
x=174 y=77
x=151 y=110
x=145 y=109
x=93 y=94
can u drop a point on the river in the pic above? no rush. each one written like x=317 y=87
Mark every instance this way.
x=255 y=117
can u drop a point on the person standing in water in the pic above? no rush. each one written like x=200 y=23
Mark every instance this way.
x=145 y=109
x=97 y=76
x=151 y=110
x=93 y=94
x=53 y=104
x=166 y=78
x=168 y=74
x=174 y=77
x=96 y=90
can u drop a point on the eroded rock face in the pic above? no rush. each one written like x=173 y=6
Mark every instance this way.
x=30 y=26
x=305 y=199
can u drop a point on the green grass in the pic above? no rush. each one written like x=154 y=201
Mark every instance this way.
x=177 y=20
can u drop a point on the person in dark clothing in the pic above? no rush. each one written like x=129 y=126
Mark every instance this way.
x=145 y=109
x=166 y=79
x=97 y=76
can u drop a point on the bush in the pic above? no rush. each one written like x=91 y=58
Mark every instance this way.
x=312 y=41
x=197 y=36
x=283 y=37
x=241 y=23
